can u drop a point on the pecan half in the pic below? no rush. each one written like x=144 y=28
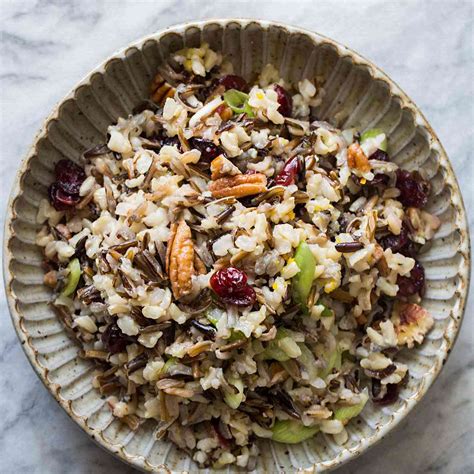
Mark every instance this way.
x=221 y=167
x=239 y=186
x=180 y=259
x=160 y=90
x=356 y=158
x=412 y=324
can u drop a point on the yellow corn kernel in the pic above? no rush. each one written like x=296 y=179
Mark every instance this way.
x=331 y=286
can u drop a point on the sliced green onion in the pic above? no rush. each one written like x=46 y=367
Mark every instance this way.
x=292 y=431
x=235 y=399
x=73 y=277
x=238 y=102
x=373 y=133
x=326 y=313
x=236 y=336
x=303 y=280
x=348 y=412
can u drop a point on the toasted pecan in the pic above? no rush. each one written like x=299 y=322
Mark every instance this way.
x=180 y=259
x=356 y=158
x=222 y=167
x=238 y=186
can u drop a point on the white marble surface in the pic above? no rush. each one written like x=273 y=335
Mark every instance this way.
x=425 y=46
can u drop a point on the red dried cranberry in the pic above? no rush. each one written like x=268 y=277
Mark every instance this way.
x=412 y=284
x=284 y=99
x=231 y=81
x=208 y=149
x=228 y=280
x=288 y=174
x=60 y=200
x=413 y=188
x=230 y=284
x=69 y=176
x=390 y=397
x=395 y=242
x=244 y=297
x=114 y=339
x=379 y=155
x=410 y=249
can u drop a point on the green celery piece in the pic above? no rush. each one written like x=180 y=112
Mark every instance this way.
x=234 y=335
x=292 y=431
x=168 y=364
x=73 y=277
x=234 y=400
x=346 y=413
x=273 y=350
x=303 y=280
x=238 y=102
x=334 y=361
x=372 y=133
x=308 y=361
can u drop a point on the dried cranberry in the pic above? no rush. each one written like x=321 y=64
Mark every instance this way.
x=208 y=149
x=228 y=280
x=412 y=284
x=244 y=297
x=413 y=188
x=114 y=339
x=231 y=81
x=288 y=174
x=284 y=99
x=69 y=176
x=230 y=284
x=379 y=155
x=390 y=397
x=60 y=200
x=395 y=242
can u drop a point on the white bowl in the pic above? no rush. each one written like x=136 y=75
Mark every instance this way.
x=357 y=94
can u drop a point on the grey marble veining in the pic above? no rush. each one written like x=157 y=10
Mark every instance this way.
x=425 y=46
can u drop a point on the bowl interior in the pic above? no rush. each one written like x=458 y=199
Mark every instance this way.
x=356 y=94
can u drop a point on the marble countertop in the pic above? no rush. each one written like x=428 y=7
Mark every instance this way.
x=425 y=46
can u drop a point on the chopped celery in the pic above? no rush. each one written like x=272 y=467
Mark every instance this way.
x=236 y=336
x=213 y=315
x=283 y=347
x=168 y=364
x=75 y=271
x=348 y=412
x=333 y=361
x=292 y=431
x=308 y=361
x=238 y=102
x=235 y=399
x=303 y=280
x=373 y=133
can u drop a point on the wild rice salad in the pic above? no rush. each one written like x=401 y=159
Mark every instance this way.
x=236 y=268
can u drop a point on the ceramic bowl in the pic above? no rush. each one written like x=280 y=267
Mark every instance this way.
x=358 y=94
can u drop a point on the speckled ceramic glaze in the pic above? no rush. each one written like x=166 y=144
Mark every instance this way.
x=356 y=94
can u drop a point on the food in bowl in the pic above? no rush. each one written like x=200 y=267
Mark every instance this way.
x=236 y=268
